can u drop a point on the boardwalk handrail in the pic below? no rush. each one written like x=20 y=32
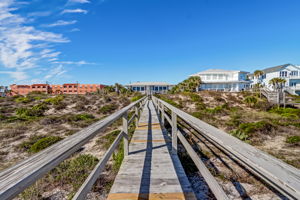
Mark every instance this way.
x=17 y=178
x=283 y=177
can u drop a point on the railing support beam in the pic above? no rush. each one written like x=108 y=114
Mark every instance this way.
x=174 y=133
x=125 y=130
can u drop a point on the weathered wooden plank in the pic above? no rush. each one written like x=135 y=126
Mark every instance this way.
x=150 y=168
x=15 y=179
x=283 y=177
x=216 y=189
x=89 y=182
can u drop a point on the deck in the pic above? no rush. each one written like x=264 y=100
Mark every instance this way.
x=150 y=171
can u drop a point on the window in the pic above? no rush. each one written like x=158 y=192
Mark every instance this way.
x=165 y=88
x=294 y=73
x=215 y=76
x=134 y=88
x=283 y=74
x=208 y=77
x=156 y=88
x=220 y=77
x=160 y=88
x=293 y=83
x=138 y=89
x=142 y=88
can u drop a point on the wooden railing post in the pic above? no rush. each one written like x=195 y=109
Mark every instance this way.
x=136 y=115
x=174 y=133
x=162 y=114
x=125 y=130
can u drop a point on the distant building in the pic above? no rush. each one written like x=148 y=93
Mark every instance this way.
x=223 y=80
x=69 y=88
x=149 y=87
x=3 y=91
x=289 y=72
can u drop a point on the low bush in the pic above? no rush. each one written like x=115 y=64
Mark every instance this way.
x=107 y=109
x=25 y=145
x=293 y=139
x=44 y=143
x=250 y=100
x=108 y=139
x=23 y=99
x=55 y=100
x=35 y=111
x=286 y=112
x=73 y=171
x=170 y=101
x=137 y=97
x=261 y=126
x=240 y=135
x=80 y=117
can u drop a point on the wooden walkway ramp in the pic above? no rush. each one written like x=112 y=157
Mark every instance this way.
x=151 y=171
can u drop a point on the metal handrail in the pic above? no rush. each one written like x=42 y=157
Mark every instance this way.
x=283 y=177
x=17 y=178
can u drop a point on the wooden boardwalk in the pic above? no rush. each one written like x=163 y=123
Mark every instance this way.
x=150 y=171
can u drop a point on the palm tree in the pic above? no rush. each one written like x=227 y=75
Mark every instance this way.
x=258 y=73
x=277 y=83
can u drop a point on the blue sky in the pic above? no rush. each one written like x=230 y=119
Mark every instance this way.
x=108 y=41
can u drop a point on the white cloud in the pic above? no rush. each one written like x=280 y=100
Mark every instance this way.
x=21 y=46
x=61 y=23
x=79 y=1
x=82 y=62
x=39 y=14
x=17 y=76
x=78 y=10
x=74 y=30
x=55 y=72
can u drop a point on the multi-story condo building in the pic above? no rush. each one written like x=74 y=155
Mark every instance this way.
x=149 y=87
x=70 y=88
x=3 y=91
x=223 y=80
x=289 y=72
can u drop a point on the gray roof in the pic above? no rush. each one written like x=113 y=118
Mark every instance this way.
x=217 y=71
x=148 y=84
x=275 y=69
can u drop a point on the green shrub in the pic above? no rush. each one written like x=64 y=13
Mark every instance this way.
x=217 y=109
x=250 y=100
x=262 y=126
x=170 y=101
x=293 y=139
x=55 y=100
x=118 y=157
x=44 y=143
x=286 y=112
x=23 y=99
x=137 y=97
x=108 y=108
x=25 y=145
x=240 y=135
x=234 y=121
x=80 y=117
x=108 y=139
x=36 y=111
x=74 y=171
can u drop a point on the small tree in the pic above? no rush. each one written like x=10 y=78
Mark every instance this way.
x=191 y=84
x=277 y=83
x=258 y=73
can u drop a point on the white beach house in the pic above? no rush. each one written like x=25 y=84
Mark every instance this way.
x=223 y=80
x=289 y=72
x=150 y=87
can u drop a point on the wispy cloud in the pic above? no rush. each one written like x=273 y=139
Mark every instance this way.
x=55 y=72
x=23 y=47
x=61 y=23
x=74 y=30
x=82 y=62
x=39 y=14
x=79 y=1
x=78 y=10
x=18 y=75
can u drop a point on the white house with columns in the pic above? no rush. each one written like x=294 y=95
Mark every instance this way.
x=223 y=80
x=289 y=72
x=150 y=87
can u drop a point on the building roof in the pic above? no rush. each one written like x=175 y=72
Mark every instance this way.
x=276 y=68
x=218 y=71
x=148 y=84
